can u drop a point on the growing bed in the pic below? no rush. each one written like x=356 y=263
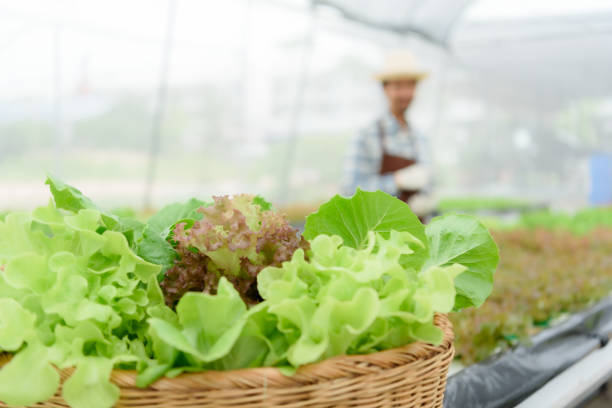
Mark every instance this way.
x=549 y=309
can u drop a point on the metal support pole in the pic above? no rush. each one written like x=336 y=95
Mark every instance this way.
x=294 y=124
x=57 y=99
x=160 y=105
x=245 y=66
x=439 y=111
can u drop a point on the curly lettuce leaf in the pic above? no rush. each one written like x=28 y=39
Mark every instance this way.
x=344 y=300
x=16 y=324
x=149 y=240
x=76 y=296
x=340 y=300
x=236 y=238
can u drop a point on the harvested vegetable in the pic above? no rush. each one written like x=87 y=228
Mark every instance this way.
x=79 y=287
x=236 y=238
x=70 y=296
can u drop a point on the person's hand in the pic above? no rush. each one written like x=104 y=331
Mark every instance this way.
x=422 y=204
x=413 y=177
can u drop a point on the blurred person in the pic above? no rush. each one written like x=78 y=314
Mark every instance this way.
x=390 y=155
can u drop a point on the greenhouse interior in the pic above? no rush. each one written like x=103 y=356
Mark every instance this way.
x=306 y=203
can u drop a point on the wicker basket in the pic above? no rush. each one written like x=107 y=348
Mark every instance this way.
x=406 y=377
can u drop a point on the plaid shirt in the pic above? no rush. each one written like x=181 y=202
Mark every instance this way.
x=364 y=155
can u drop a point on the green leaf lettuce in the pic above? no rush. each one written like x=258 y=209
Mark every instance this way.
x=447 y=240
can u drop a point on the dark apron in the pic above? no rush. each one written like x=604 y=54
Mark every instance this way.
x=391 y=163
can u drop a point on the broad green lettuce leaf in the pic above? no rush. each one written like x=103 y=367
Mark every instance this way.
x=156 y=249
x=163 y=220
x=352 y=218
x=462 y=239
x=154 y=246
x=67 y=197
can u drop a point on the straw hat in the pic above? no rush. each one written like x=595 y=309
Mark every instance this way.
x=400 y=65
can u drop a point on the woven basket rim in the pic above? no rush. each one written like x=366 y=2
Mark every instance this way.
x=329 y=369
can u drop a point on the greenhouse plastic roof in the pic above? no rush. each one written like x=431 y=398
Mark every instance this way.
x=545 y=62
x=431 y=19
x=544 y=56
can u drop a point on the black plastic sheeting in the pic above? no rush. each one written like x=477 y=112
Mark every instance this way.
x=507 y=379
